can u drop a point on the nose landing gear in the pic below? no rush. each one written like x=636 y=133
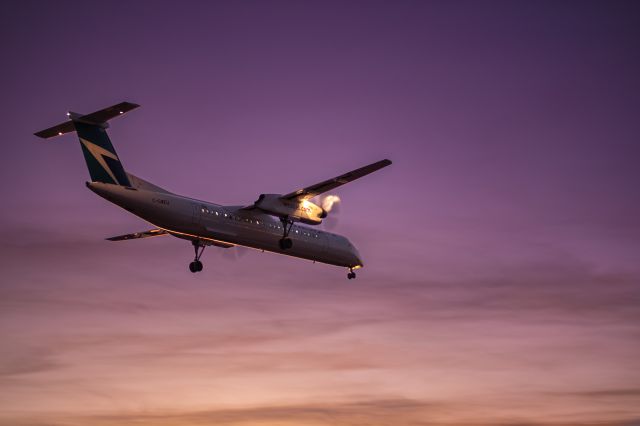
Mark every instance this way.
x=196 y=265
x=351 y=275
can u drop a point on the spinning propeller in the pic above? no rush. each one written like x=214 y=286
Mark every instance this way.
x=234 y=253
x=330 y=204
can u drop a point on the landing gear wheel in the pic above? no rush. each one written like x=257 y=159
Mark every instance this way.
x=285 y=243
x=196 y=265
x=351 y=275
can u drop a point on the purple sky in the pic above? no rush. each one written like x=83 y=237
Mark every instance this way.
x=502 y=248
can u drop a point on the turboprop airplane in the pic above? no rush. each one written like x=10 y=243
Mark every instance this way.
x=271 y=223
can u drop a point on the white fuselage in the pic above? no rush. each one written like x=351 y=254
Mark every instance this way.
x=228 y=225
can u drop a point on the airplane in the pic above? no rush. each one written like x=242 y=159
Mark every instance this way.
x=271 y=223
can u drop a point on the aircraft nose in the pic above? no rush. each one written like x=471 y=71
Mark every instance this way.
x=357 y=259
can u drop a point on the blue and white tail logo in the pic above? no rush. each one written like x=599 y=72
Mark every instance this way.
x=99 y=154
x=102 y=161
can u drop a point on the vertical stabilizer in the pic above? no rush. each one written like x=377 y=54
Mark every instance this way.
x=100 y=155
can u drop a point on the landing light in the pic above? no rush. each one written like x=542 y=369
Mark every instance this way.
x=59 y=133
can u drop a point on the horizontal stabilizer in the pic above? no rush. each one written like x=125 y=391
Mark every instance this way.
x=57 y=130
x=136 y=235
x=96 y=118
x=108 y=113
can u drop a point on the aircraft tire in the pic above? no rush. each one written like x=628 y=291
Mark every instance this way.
x=285 y=243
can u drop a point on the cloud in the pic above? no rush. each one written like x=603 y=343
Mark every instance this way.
x=546 y=326
x=564 y=289
x=392 y=411
x=385 y=411
x=606 y=393
x=15 y=360
x=379 y=412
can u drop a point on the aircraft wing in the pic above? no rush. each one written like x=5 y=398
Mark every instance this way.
x=328 y=185
x=136 y=235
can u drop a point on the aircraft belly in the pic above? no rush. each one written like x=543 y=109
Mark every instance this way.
x=303 y=247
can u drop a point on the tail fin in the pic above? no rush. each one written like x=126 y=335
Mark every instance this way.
x=102 y=160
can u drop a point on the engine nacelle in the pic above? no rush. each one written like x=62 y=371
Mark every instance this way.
x=303 y=211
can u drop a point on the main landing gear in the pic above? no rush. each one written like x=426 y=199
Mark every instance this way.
x=285 y=242
x=351 y=275
x=196 y=265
